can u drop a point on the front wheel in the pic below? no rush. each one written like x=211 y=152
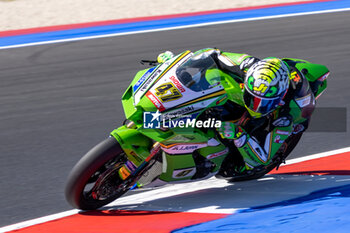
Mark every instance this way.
x=94 y=180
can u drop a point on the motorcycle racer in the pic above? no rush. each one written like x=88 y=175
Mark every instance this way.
x=278 y=103
x=196 y=115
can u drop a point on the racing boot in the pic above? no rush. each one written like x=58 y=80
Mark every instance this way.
x=232 y=165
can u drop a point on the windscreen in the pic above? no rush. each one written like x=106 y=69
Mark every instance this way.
x=199 y=72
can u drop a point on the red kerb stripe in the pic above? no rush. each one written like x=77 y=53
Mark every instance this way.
x=338 y=164
x=122 y=221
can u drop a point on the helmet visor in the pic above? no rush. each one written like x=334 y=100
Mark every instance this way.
x=260 y=104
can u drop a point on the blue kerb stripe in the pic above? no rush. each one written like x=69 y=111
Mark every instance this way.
x=321 y=211
x=170 y=23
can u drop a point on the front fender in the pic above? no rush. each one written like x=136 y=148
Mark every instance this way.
x=136 y=145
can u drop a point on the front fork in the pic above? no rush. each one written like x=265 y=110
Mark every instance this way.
x=138 y=148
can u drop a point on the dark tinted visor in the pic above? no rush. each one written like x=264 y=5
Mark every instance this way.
x=260 y=104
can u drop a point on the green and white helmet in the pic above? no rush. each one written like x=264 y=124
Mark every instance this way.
x=265 y=85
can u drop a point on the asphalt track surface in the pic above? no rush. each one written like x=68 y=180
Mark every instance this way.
x=59 y=100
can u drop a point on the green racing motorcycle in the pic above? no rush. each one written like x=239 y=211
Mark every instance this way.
x=169 y=135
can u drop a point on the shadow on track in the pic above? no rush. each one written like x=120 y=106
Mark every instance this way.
x=217 y=196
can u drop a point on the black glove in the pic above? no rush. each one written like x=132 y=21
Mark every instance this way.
x=247 y=63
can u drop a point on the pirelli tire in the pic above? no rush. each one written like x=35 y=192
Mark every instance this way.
x=87 y=170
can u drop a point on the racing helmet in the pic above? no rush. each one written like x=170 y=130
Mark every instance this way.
x=265 y=85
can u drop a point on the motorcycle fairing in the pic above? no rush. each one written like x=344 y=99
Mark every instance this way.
x=164 y=89
x=157 y=74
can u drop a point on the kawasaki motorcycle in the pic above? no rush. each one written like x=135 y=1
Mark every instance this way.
x=169 y=134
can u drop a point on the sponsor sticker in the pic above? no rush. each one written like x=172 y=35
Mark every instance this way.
x=278 y=139
x=295 y=77
x=183 y=148
x=181 y=173
x=179 y=112
x=145 y=85
x=155 y=101
x=177 y=84
x=167 y=92
x=304 y=101
x=131 y=166
x=323 y=77
x=282 y=122
x=124 y=173
x=142 y=79
x=218 y=154
x=149 y=81
x=282 y=132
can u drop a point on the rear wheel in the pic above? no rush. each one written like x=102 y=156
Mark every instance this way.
x=94 y=180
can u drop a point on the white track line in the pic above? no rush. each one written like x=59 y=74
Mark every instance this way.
x=174 y=28
x=317 y=156
x=72 y=212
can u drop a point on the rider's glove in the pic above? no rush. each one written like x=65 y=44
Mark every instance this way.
x=227 y=130
x=230 y=130
x=163 y=57
x=248 y=62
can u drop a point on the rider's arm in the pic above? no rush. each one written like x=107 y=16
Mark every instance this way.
x=244 y=61
x=235 y=63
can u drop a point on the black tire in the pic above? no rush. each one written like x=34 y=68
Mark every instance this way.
x=90 y=164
